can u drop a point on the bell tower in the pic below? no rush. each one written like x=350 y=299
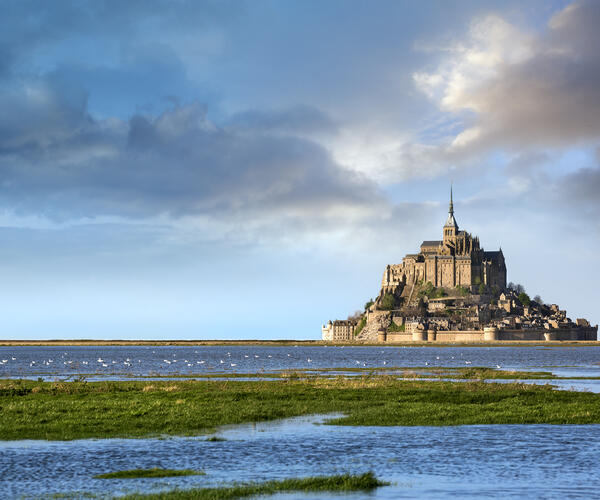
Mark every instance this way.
x=451 y=227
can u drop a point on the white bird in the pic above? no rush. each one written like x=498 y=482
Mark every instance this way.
x=167 y=361
x=498 y=366
x=309 y=360
x=222 y=361
x=104 y=365
x=100 y=360
x=233 y=364
x=14 y=359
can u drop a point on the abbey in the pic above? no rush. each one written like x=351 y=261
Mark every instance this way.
x=453 y=290
x=455 y=260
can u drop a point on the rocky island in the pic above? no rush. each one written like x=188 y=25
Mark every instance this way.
x=453 y=290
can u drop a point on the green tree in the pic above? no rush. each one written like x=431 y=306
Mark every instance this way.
x=388 y=302
x=481 y=289
x=368 y=304
x=524 y=299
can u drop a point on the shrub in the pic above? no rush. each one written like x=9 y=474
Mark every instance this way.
x=396 y=328
x=369 y=304
x=482 y=289
x=388 y=302
x=360 y=326
x=524 y=299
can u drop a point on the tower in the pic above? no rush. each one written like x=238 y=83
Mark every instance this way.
x=451 y=227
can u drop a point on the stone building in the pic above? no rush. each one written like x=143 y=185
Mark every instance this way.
x=338 y=330
x=455 y=260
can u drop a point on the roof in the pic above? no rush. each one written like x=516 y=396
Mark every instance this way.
x=451 y=221
x=494 y=254
x=431 y=243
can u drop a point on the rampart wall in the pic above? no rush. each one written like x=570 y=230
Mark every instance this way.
x=564 y=334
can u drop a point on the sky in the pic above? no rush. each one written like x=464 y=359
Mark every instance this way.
x=246 y=169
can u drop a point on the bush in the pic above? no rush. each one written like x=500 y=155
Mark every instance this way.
x=360 y=326
x=396 y=328
x=463 y=290
x=369 y=304
x=388 y=302
x=524 y=299
x=482 y=289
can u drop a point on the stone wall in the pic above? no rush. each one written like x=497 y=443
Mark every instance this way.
x=533 y=335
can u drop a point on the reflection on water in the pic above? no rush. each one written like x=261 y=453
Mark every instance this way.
x=120 y=362
x=511 y=461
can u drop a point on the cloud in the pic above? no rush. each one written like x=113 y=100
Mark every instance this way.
x=299 y=120
x=57 y=160
x=520 y=90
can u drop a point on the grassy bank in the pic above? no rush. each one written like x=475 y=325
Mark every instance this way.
x=72 y=410
x=156 y=472
x=343 y=483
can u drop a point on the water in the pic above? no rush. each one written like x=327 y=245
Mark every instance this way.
x=124 y=362
x=510 y=461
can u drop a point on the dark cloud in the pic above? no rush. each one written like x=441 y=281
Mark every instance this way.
x=179 y=163
x=300 y=119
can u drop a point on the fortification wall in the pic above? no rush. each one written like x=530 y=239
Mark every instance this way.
x=561 y=334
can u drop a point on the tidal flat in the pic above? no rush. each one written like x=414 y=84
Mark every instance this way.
x=111 y=409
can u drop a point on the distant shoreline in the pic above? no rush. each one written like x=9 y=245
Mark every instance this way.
x=132 y=343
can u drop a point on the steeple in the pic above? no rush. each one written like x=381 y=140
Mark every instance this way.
x=451 y=221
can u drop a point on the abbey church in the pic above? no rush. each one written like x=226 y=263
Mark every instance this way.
x=455 y=260
x=452 y=290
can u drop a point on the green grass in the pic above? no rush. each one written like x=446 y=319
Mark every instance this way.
x=75 y=410
x=156 y=472
x=342 y=483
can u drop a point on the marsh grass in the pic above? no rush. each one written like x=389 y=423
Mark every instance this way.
x=341 y=483
x=155 y=472
x=76 y=410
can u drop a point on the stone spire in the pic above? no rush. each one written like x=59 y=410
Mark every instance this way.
x=451 y=221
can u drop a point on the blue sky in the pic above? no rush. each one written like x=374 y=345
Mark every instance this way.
x=213 y=170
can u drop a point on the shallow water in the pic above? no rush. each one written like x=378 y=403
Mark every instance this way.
x=510 y=461
x=124 y=362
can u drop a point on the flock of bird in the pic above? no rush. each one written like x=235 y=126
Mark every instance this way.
x=178 y=364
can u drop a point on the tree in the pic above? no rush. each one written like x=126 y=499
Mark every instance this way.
x=524 y=299
x=388 y=302
x=538 y=299
x=515 y=287
x=368 y=304
x=481 y=289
